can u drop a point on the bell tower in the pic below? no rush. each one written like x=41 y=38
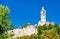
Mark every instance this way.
x=43 y=17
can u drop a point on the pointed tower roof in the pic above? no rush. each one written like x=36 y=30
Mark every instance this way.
x=42 y=7
x=43 y=10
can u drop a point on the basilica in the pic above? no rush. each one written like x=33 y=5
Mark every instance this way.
x=32 y=29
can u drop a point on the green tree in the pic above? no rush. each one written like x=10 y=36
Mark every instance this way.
x=9 y=35
x=5 y=23
x=49 y=32
x=5 y=17
x=25 y=25
x=1 y=36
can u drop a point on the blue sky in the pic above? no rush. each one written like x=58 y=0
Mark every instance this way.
x=28 y=11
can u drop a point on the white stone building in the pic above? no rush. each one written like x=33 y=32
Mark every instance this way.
x=32 y=28
x=29 y=30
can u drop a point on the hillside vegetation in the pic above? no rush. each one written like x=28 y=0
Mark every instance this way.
x=45 y=32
